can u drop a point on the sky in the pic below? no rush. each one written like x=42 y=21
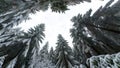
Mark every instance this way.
x=59 y=23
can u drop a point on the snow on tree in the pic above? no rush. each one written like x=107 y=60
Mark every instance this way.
x=97 y=34
x=92 y=34
x=10 y=45
x=64 y=58
x=13 y=12
x=44 y=52
x=52 y=55
x=35 y=37
x=42 y=60
x=104 y=61
x=1 y=61
x=21 y=45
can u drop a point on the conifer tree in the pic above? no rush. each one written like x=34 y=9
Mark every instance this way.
x=98 y=33
x=22 y=46
x=64 y=54
x=44 y=52
x=42 y=60
x=36 y=35
x=52 y=55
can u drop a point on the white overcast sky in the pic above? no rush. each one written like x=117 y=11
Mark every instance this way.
x=59 y=23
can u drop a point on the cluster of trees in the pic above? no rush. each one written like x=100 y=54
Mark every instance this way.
x=99 y=33
x=21 y=50
x=93 y=35
x=19 y=46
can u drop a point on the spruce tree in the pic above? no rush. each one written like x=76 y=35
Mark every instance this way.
x=10 y=46
x=52 y=55
x=44 y=52
x=97 y=34
x=64 y=54
x=42 y=60
x=22 y=46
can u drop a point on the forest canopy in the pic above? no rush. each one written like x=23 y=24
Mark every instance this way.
x=19 y=49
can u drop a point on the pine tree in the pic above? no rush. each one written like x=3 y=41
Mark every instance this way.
x=44 y=52
x=97 y=34
x=77 y=53
x=52 y=55
x=42 y=60
x=22 y=46
x=36 y=35
x=14 y=12
x=10 y=46
x=64 y=54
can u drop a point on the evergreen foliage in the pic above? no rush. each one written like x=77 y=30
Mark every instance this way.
x=94 y=36
x=64 y=54
x=59 y=5
x=104 y=61
x=52 y=55
x=13 y=12
x=42 y=60
x=97 y=34
x=21 y=45
x=44 y=52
